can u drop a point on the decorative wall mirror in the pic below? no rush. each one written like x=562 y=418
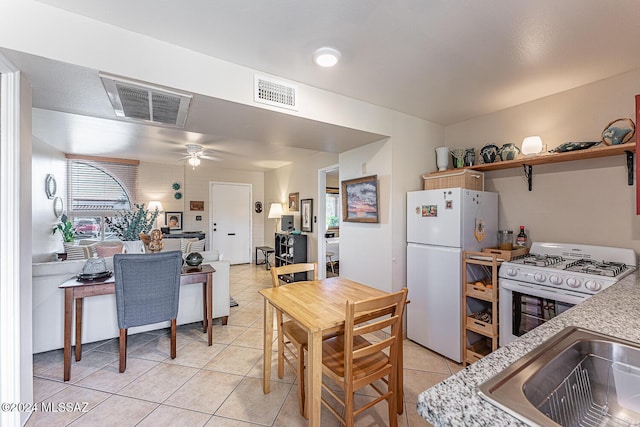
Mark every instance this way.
x=58 y=207
x=51 y=187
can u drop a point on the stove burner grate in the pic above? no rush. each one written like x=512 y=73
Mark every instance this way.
x=539 y=260
x=600 y=268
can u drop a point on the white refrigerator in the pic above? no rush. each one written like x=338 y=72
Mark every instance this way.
x=440 y=225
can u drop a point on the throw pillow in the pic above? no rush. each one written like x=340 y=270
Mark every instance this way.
x=197 y=246
x=106 y=251
x=184 y=242
x=76 y=252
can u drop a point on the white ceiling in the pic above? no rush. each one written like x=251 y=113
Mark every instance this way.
x=444 y=61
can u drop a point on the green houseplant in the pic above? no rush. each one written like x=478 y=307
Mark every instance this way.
x=127 y=225
x=65 y=227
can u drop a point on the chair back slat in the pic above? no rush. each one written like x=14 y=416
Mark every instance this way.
x=276 y=272
x=147 y=287
x=373 y=327
x=373 y=348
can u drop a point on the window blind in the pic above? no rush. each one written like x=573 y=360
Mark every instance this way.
x=101 y=186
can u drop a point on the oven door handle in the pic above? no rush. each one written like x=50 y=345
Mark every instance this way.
x=560 y=296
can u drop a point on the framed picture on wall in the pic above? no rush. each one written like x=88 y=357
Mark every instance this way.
x=173 y=220
x=360 y=199
x=196 y=205
x=306 y=215
x=294 y=201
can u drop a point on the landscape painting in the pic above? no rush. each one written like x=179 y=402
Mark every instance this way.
x=360 y=199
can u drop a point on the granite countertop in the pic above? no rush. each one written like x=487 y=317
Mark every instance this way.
x=455 y=402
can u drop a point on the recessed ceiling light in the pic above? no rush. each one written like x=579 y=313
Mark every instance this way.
x=326 y=56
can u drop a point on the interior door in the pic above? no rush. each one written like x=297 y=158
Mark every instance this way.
x=230 y=225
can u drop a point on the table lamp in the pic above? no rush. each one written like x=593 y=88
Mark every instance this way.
x=275 y=211
x=531 y=145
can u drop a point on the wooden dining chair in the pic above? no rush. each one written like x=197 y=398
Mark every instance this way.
x=147 y=291
x=352 y=362
x=290 y=334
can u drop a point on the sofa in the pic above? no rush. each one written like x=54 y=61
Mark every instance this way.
x=99 y=319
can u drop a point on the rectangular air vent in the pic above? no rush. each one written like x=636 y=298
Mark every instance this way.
x=275 y=92
x=136 y=101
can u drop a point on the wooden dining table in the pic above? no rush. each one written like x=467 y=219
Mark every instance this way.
x=318 y=306
x=76 y=290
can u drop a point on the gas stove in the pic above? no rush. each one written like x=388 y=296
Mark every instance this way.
x=578 y=268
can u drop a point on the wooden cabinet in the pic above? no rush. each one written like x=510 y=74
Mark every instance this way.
x=291 y=249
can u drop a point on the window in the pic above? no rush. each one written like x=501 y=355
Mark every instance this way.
x=99 y=188
x=333 y=208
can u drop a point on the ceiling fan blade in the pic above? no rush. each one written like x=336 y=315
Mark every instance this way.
x=217 y=159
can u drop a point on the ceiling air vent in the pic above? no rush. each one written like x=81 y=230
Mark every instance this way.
x=277 y=93
x=135 y=101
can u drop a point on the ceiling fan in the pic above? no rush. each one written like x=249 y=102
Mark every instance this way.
x=195 y=153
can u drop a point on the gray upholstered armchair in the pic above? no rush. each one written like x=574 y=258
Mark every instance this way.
x=147 y=291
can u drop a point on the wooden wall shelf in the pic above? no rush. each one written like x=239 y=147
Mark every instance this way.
x=591 y=153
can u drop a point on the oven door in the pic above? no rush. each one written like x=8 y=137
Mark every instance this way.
x=524 y=306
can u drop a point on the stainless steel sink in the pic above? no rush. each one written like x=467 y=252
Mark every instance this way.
x=577 y=377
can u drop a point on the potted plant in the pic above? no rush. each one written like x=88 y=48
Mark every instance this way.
x=68 y=232
x=128 y=225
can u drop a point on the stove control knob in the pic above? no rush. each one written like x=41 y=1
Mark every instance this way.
x=512 y=272
x=592 y=285
x=573 y=282
x=555 y=279
x=539 y=277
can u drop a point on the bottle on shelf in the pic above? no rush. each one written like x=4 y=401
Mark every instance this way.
x=521 y=239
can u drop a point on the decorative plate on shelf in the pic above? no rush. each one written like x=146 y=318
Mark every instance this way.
x=619 y=131
x=178 y=195
x=573 y=146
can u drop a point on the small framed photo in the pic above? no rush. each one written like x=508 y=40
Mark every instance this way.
x=306 y=215
x=173 y=220
x=294 y=200
x=360 y=199
x=196 y=205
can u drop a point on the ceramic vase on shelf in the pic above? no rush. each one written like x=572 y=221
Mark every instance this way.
x=508 y=152
x=442 y=158
x=489 y=153
x=457 y=156
x=469 y=157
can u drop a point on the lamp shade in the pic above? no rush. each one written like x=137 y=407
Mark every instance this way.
x=275 y=210
x=155 y=204
x=531 y=145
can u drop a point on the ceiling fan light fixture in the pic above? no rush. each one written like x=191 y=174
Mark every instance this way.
x=194 y=161
x=326 y=56
x=194 y=148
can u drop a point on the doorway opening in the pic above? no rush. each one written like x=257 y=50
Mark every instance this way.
x=329 y=221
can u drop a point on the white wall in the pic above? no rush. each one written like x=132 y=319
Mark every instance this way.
x=365 y=248
x=414 y=143
x=155 y=183
x=299 y=177
x=197 y=188
x=46 y=160
x=585 y=201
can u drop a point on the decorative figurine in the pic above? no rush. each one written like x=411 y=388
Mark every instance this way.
x=153 y=241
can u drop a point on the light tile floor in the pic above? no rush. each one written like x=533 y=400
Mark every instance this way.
x=204 y=386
